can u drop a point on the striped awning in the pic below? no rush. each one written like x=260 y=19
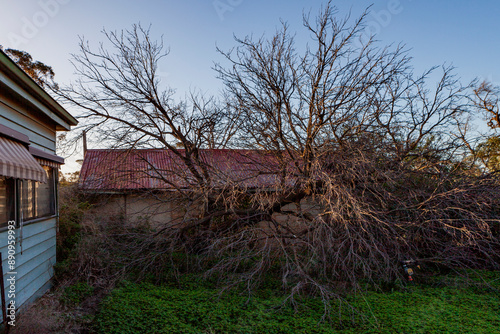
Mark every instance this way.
x=17 y=162
x=48 y=163
x=46 y=159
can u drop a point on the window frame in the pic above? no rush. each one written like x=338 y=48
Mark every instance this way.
x=11 y=200
x=18 y=191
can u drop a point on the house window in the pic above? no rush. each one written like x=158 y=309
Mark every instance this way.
x=37 y=199
x=7 y=200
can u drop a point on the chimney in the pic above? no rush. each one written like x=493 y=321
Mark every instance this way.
x=84 y=136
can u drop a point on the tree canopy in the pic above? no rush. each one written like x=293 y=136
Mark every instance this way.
x=41 y=73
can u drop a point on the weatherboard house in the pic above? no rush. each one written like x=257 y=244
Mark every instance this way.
x=29 y=120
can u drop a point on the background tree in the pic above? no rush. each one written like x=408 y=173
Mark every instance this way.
x=38 y=71
x=486 y=97
x=487 y=101
x=489 y=153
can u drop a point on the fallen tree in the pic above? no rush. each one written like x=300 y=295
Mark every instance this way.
x=370 y=166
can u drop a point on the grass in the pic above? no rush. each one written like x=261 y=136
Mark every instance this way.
x=76 y=293
x=448 y=305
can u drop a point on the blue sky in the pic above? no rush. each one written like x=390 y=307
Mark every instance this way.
x=462 y=33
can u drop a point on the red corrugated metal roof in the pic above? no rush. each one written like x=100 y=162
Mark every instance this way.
x=119 y=170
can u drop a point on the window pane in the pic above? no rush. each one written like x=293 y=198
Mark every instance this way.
x=37 y=199
x=7 y=200
x=27 y=205
x=45 y=195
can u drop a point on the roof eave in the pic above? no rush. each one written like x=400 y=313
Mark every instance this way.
x=27 y=83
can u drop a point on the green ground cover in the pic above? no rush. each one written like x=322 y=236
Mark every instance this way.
x=442 y=306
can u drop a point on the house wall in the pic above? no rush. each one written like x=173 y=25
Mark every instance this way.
x=155 y=211
x=36 y=240
x=35 y=257
x=135 y=209
x=16 y=116
x=152 y=210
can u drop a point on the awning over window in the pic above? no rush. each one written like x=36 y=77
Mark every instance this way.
x=46 y=159
x=17 y=162
x=48 y=163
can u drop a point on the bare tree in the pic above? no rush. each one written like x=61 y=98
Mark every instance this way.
x=121 y=95
x=375 y=146
x=305 y=107
x=364 y=154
